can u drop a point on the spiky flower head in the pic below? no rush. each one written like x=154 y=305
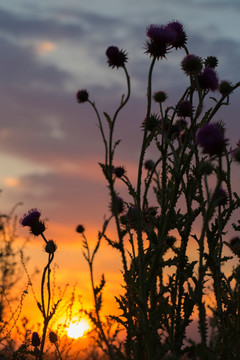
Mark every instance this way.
x=160 y=96
x=192 y=64
x=156 y=50
x=50 y=247
x=35 y=339
x=160 y=39
x=181 y=124
x=82 y=96
x=149 y=165
x=211 y=61
x=31 y=219
x=116 y=58
x=208 y=79
x=117 y=205
x=221 y=197
x=80 y=229
x=180 y=34
x=53 y=337
x=210 y=137
x=204 y=168
x=119 y=171
x=151 y=122
x=184 y=108
x=235 y=245
x=161 y=34
x=225 y=87
x=132 y=217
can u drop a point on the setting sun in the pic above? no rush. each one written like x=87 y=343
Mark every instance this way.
x=78 y=329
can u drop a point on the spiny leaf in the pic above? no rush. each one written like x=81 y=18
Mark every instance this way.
x=108 y=119
x=100 y=287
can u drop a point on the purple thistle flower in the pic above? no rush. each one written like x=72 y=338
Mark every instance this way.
x=208 y=79
x=211 y=138
x=161 y=34
x=181 y=124
x=221 y=197
x=82 y=96
x=161 y=38
x=184 y=109
x=116 y=58
x=180 y=35
x=31 y=219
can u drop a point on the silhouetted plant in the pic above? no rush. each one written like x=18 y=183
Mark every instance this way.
x=37 y=227
x=10 y=272
x=191 y=180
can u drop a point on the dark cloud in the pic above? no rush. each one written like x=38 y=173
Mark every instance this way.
x=57 y=24
x=63 y=198
x=22 y=71
x=19 y=26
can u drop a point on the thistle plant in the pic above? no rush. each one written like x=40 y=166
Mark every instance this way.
x=37 y=228
x=192 y=206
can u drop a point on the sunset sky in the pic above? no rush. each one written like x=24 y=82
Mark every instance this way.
x=50 y=145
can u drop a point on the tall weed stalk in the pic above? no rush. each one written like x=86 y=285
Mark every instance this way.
x=164 y=287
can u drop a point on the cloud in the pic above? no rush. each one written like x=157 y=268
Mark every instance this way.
x=40 y=119
x=13 y=23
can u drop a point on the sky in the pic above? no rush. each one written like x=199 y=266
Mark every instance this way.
x=50 y=145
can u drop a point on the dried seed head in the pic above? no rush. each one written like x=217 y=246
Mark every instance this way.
x=82 y=96
x=80 y=229
x=192 y=65
x=116 y=58
x=160 y=96
x=225 y=87
x=50 y=247
x=53 y=337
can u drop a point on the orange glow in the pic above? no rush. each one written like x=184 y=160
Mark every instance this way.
x=78 y=329
x=11 y=182
x=45 y=47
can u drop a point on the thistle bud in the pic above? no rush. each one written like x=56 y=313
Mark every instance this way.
x=35 y=339
x=82 y=96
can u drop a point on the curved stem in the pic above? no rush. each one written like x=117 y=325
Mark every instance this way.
x=110 y=165
x=45 y=316
x=101 y=128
